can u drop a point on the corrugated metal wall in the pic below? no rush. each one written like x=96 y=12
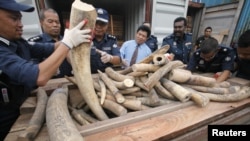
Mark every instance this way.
x=222 y=18
x=209 y=3
x=244 y=21
x=164 y=14
x=134 y=15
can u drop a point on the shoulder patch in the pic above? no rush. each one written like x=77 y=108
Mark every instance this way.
x=111 y=36
x=153 y=36
x=115 y=46
x=35 y=38
x=197 y=53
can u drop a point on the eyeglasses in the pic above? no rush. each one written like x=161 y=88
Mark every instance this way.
x=208 y=56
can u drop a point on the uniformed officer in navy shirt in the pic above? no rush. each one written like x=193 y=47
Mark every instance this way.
x=18 y=75
x=213 y=58
x=207 y=34
x=51 y=26
x=104 y=52
x=180 y=42
x=152 y=41
x=243 y=56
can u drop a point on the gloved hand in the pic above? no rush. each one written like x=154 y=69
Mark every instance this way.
x=105 y=57
x=76 y=36
x=125 y=63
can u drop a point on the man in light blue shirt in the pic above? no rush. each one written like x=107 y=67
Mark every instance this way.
x=128 y=47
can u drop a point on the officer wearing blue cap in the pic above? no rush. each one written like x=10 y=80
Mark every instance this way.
x=19 y=76
x=105 y=52
x=180 y=42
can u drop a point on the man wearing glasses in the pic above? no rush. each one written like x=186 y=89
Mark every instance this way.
x=213 y=58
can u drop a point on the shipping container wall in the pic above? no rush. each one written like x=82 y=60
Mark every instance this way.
x=223 y=19
x=243 y=23
x=30 y=20
x=134 y=17
x=164 y=13
x=209 y=3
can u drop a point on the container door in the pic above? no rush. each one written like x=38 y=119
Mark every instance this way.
x=163 y=14
x=30 y=20
x=223 y=20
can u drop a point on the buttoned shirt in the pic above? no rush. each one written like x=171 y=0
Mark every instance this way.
x=16 y=67
x=128 y=49
x=223 y=60
x=107 y=44
x=181 y=48
x=152 y=43
x=65 y=68
x=200 y=40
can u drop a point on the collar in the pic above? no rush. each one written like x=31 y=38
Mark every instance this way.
x=48 y=38
x=5 y=41
x=180 y=39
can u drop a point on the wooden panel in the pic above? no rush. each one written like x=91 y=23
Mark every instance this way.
x=28 y=106
x=172 y=124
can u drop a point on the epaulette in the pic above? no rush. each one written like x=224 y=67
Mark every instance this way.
x=169 y=37
x=153 y=36
x=197 y=53
x=111 y=36
x=35 y=38
x=224 y=49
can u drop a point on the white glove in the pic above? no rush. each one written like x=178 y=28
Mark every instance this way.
x=125 y=63
x=105 y=57
x=76 y=36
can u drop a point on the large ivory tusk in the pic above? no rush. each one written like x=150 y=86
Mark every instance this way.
x=80 y=58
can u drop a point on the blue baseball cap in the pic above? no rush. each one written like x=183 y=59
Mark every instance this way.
x=102 y=15
x=14 y=6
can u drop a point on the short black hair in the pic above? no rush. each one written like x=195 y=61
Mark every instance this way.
x=244 y=40
x=209 y=27
x=42 y=13
x=209 y=45
x=181 y=19
x=144 y=28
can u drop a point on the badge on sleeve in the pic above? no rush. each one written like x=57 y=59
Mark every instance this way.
x=201 y=62
x=227 y=59
x=114 y=45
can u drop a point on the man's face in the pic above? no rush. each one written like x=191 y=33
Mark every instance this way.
x=51 y=24
x=207 y=32
x=11 y=25
x=141 y=37
x=100 y=28
x=243 y=53
x=179 y=28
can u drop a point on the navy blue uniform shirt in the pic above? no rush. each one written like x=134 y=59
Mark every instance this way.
x=19 y=74
x=152 y=43
x=65 y=68
x=109 y=45
x=243 y=70
x=223 y=60
x=181 y=48
x=199 y=41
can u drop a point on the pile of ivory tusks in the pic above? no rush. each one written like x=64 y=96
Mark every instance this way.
x=147 y=85
x=142 y=86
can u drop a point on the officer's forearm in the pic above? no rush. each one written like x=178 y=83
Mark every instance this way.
x=223 y=76
x=116 y=60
